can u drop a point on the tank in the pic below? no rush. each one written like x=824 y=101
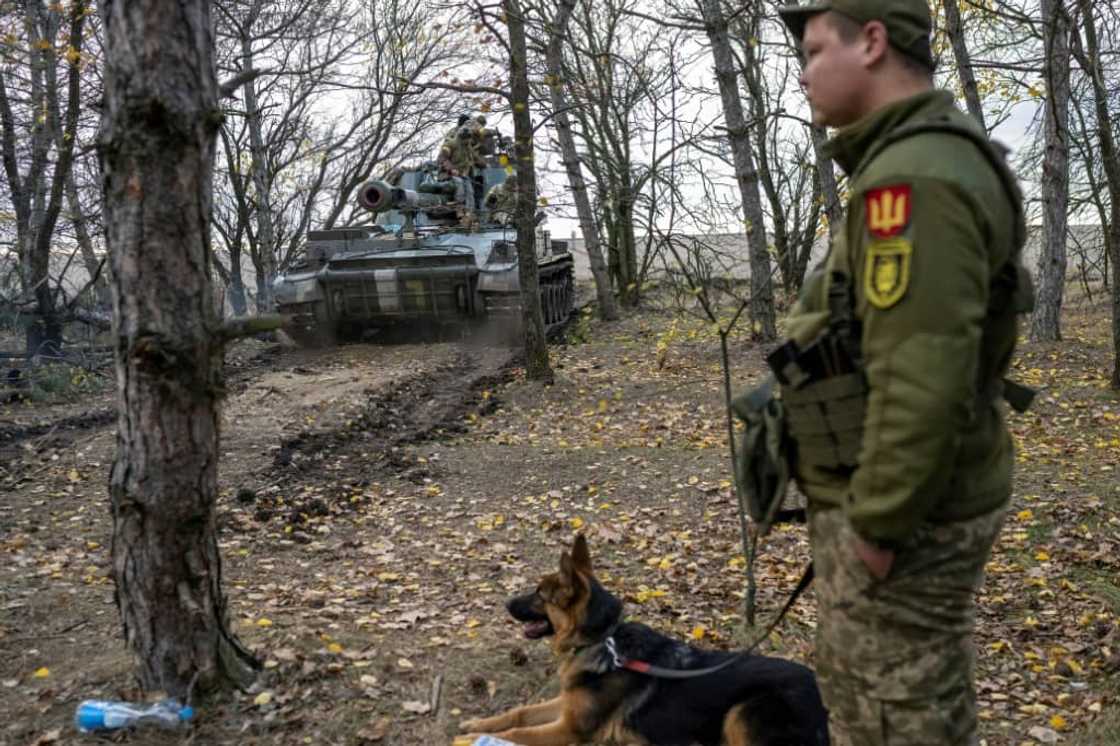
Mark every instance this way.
x=432 y=257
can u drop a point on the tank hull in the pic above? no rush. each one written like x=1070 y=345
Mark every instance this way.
x=353 y=285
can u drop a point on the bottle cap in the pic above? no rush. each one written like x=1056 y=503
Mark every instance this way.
x=90 y=716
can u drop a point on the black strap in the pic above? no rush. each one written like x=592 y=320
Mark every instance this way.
x=620 y=661
x=1018 y=395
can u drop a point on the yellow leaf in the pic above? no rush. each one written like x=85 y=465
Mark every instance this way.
x=335 y=648
x=1024 y=515
x=664 y=564
x=41 y=673
x=503 y=159
x=473 y=623
x=577 y=523
x=263 y=699
x=1042 y=557
x=263 y=622
x=1057 y=722
x=74 y=476
x=388 y=577
x=543 y=201
x=698 y=632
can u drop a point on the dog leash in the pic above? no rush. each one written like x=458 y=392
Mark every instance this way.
x=642 y=667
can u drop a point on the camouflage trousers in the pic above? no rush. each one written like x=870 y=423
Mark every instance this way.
x=894 y=658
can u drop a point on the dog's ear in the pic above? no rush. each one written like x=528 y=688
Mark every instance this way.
x=570 y=574
x=567 y=568
x=581 y=557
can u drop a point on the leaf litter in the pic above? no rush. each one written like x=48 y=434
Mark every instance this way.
x=372 y=536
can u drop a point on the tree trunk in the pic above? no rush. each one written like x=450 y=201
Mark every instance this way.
x=1046 y=321
x=237 y=284
x=537 y=365
x=955 y=29
x=85 y=243
x=833 y=208
x=762 y=294
x=266 y=230
x=1089 y=57
x=787 y=256
x=608 y=310
x=44 y=334
x=159 y=124
x=628 y=291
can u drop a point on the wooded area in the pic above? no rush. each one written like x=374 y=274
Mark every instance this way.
x=317 y=98
x=165 y=161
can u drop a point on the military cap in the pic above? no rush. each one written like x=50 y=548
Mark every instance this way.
x=908 y=22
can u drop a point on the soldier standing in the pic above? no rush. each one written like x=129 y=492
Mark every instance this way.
x=502 y=198
x=893 y=377
x=456 y=156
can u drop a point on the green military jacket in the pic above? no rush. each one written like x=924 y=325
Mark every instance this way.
x=930 y=225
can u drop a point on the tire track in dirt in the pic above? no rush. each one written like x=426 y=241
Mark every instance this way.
x=371 y=442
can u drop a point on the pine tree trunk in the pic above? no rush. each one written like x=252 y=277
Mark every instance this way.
x=762 y=293
x=158 y=130
x=537 y=365
x=1046 y=320
x=608 y=310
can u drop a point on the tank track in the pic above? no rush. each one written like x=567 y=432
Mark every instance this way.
x=558 y=294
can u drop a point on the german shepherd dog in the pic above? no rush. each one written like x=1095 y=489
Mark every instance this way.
x=619 y=681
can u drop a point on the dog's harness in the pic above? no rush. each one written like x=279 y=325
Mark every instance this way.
x=619 y=661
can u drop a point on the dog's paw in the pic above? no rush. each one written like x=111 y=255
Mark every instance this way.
x=466 y=739
x=470 y=726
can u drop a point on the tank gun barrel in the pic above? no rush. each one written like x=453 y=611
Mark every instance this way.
x=378 y=196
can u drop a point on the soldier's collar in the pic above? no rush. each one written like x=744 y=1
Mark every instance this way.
x=848 y=146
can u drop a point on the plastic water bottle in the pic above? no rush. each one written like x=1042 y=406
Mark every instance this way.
x=103 y=715
x=492 y=741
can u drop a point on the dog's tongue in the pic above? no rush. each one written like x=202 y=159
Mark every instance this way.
x=534 y=630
